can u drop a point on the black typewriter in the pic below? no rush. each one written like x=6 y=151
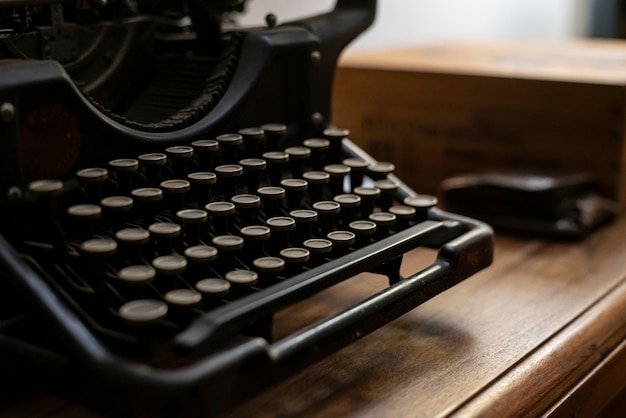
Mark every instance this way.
x=168 y=182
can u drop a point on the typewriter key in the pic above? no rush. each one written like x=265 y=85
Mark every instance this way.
x=205 y=150
x=169 y=265
x=319 y=148
x=92 y=180
x=228 y=175
x=358 y=168
x=317 y=181
x=252 y=168
x=132 y=241
x=364 y=231
x=275 y=160
x=254 y=241
x=319 y=249
x=125 y=169
x=380 y=170
x=404 y=216
x=175 y=191
x=213 y=287
x=242 y=278
x=252 y=138
x=192 y=220
x=85 y=217
x=247 y=205
x=421 y=203
x=327 y=211
x=227 y=246
x=229 y=144
x=337 y=173
x=221 y=212
x=199 y=258
x=305 y=219
x=147 y=199
x=98 y=247
x=201 y=183
x=46 y=187
x=295 y=189
x=116 y=208
x=335 y=136
x=388 y=189
x=295 y=260
x=268 y=269
x=369 y=196
x=137 y=274
x=274 y=133
x=298 y=158
x=385 y=221
x=180 y=156
x=280 y=227
x=341 y=242
x=143 y=311
x=271 y=198
x=166 y=236
x=349 y=205
x=153 y=164
x=183 y=298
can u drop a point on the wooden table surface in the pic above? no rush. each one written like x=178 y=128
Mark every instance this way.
x=542 y=331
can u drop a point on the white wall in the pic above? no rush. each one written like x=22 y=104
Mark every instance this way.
x=402 y=22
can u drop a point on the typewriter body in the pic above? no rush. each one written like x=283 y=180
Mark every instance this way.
x=168 y=183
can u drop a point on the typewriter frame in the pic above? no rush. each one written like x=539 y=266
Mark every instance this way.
x=86 y=370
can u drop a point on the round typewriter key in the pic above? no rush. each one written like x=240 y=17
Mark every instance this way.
x=118 y=203
x=349 y=204
x=341 y=240
x=247 y=205
x=421 y=203
x=280 y=227
x=317 y=180
x=183 y=298
x=295 y=259
x=252 y=168
x=153 y=164
x=180 y=151
x=221 y=212
x=122 y=165
x=358 y=168
x=364 y=231
x=404 y=216
x=227 y=246
x=201 y=254
x=202 y=177
x=319 y=249
x=92 y=180
x=337 y=173
x=380 y=170
x=192 y=216
x=243 y=278
x=274 y=132
x=254 y=241
x=166 y=236
x=298 y=158
x=228 y=175
x=268 y=269
x=384 y=221
x=201 y=183
x=85 y=212
x=305 y=219
x=137 y=274
x=336 y=135
x=143 y=311
x=388 y=189
x=276 y=160
x=175 y=191
x=327 y=211
x=169 y=265
x=49 y=187
x=295 y=189
x=271 y=198
x=213 y=287
x=252 y=138
x=147 y=194
x=205 y=149
x=99 y=247
x=229 y=144
x=319 y=148
x=369 y=196
x=132 y=240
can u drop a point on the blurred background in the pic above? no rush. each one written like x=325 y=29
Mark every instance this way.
x=412 y=22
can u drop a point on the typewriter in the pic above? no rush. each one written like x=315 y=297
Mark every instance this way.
x=168 y=182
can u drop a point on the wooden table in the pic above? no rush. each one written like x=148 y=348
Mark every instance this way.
x=542 y=331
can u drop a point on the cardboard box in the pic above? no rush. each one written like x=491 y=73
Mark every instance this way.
x=465 y=107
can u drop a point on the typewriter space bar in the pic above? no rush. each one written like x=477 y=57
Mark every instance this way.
x=224 y=322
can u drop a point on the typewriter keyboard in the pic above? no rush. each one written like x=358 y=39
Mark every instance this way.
x=188 y=249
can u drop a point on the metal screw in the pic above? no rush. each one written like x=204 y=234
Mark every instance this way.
x=316 y=57
x=14 y=194
x=7 y=111
x=318 y=119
